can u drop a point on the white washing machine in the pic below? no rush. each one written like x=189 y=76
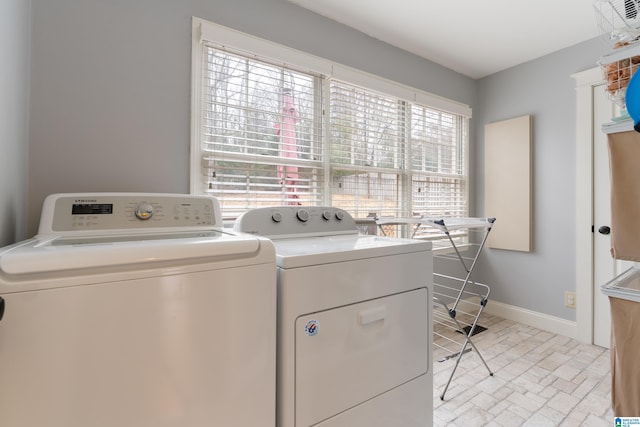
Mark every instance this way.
x=354 y=321
x=135 y=310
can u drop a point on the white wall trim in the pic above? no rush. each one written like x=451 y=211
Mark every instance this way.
x=196 y=102
x=585 y=82
x=535 y=319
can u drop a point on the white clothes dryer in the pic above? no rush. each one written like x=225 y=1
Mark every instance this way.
x=137 y=310
x=354 y=321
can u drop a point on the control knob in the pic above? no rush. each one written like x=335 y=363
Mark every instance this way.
x=303 y=215
x=144 y=211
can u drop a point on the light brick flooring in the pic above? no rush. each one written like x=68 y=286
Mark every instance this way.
x=540 y=379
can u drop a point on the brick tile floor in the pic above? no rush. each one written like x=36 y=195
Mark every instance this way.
x=540 y=379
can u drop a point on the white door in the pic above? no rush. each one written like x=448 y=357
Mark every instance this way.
x=604 y=266
x=359 y=351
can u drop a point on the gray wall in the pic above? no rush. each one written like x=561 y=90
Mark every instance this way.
x=14 y=114
x=110 y=103
x=110 y=111
x=543 y=88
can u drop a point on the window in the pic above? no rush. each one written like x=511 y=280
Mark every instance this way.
x=286 y=128
x=438 y=162
x=260 y=135
x=367 y=163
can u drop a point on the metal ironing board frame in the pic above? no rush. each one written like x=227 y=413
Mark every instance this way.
x=453 y=289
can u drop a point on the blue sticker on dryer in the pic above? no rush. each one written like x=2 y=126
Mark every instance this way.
x=312 y=327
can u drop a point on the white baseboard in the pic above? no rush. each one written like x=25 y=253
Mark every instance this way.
x=535 y=319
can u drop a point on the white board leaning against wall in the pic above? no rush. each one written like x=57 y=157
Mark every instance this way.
x=507 y=182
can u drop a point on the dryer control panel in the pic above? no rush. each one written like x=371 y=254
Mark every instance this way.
x=290 y=221
x=63 y=213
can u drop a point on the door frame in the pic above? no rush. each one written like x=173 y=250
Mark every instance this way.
x=585 y=82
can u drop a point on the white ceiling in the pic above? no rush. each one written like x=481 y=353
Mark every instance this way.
x=473 y=37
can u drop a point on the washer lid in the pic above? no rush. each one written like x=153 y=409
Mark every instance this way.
x=625 y=286
x=292 y=253
x=46 y=253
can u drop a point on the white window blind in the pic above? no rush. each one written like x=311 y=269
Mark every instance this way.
x=371 y=173
x=438 y=162
x=270 y=133
x=261 y=139
x=367 y=150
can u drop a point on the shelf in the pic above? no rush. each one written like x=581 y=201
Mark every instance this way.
x=618 y=126
x=620 y=53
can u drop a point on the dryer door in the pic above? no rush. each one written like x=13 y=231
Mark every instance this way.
x=348 y=355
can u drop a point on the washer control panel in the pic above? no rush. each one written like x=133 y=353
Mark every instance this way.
x=127 y=211
x=285 y=221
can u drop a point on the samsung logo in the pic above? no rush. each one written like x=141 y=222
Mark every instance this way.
x=86 y=201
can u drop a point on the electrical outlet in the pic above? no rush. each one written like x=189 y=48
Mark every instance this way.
x=570 y=299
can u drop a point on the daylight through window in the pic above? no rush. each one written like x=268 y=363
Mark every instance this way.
x=269 y=133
